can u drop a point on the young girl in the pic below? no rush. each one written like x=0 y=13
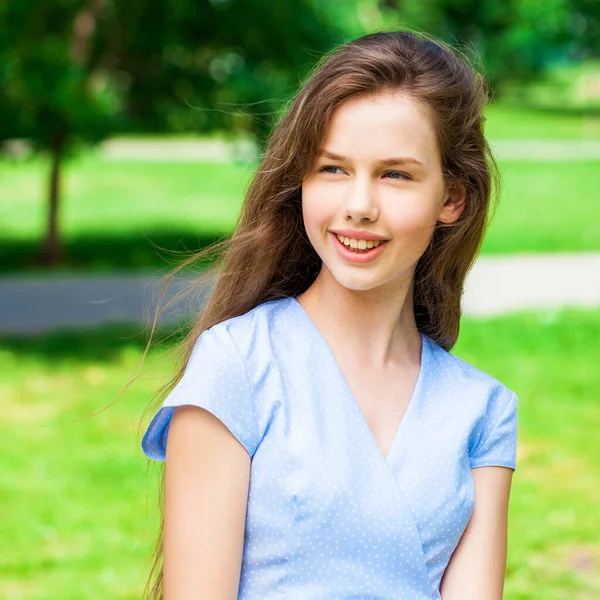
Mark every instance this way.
x=322 y=442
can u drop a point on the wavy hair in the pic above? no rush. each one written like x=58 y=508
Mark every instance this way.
x=269 y=256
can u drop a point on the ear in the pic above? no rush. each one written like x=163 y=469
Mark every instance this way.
x=454 y=204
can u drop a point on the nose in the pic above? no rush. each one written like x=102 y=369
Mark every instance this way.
x=360 y=203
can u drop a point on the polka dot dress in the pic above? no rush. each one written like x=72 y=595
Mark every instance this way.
x=329 y=517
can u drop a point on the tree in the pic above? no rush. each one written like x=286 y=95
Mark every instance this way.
x=74 y=71
x=50 y=94
x=516 y=39
x=214 y=64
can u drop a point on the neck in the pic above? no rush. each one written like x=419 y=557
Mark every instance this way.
x=379 y=322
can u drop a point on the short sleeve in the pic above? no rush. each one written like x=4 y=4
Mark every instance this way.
x=496 y=443
x=215 y=379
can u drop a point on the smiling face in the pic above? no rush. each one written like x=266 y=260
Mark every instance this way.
x=371 y=200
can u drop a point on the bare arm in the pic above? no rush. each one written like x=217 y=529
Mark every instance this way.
x=477 y=567
x=206 y=493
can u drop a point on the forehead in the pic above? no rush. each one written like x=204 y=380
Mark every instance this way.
x=377 y=127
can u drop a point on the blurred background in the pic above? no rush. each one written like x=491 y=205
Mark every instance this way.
x=129 y=131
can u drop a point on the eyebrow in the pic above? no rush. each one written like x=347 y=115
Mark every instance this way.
x=400 y=160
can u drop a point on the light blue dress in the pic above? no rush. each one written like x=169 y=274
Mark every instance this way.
x=329 y=517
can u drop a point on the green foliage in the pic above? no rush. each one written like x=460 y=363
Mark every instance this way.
x=205 y=65
x=584 y=24
x=52 y=93
x=515 y=39
x=82 y=69
x=75 y=71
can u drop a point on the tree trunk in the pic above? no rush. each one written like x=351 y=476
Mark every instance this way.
x=52 y=253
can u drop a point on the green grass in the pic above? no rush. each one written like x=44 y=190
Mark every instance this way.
x=81 y=507
x=550 y=361
x=124 y=198
x=510 y=121
x=114 y=214
x=547 y=207
x=73 y=494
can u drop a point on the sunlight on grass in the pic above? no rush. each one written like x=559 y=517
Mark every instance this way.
x=508 y=121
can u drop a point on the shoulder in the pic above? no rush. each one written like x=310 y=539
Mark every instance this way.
x=245 y=345
x=473 y=385
x=486 y=409
x=453 y=369
x=252 y=330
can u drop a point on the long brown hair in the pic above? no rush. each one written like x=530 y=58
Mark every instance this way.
x=269 y=256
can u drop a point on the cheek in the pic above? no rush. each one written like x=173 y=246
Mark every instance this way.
x=412 y=224
x=316 y=211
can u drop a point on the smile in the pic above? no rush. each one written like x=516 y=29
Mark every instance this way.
x=357 y=251
x=358 y=245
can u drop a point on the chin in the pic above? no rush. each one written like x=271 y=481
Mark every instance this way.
x=359 y=282
x=357 y=286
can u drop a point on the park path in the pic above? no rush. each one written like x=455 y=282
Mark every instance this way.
x=496 y=285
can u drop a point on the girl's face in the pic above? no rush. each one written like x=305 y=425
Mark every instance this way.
x=372 y=198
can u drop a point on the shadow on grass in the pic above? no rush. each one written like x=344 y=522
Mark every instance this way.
x=108 y=253
x=99 y=344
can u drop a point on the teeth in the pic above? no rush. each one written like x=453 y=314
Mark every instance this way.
x=358 y=244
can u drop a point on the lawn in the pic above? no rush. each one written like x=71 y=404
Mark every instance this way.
x=547 y=207
x=509 y=121
x=549 y=360
x=83 y=507
x=125 y=198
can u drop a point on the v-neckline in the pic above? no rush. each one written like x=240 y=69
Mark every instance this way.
x=348 y=392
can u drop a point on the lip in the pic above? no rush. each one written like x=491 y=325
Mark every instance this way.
x=358 y=235
x=357 y=257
